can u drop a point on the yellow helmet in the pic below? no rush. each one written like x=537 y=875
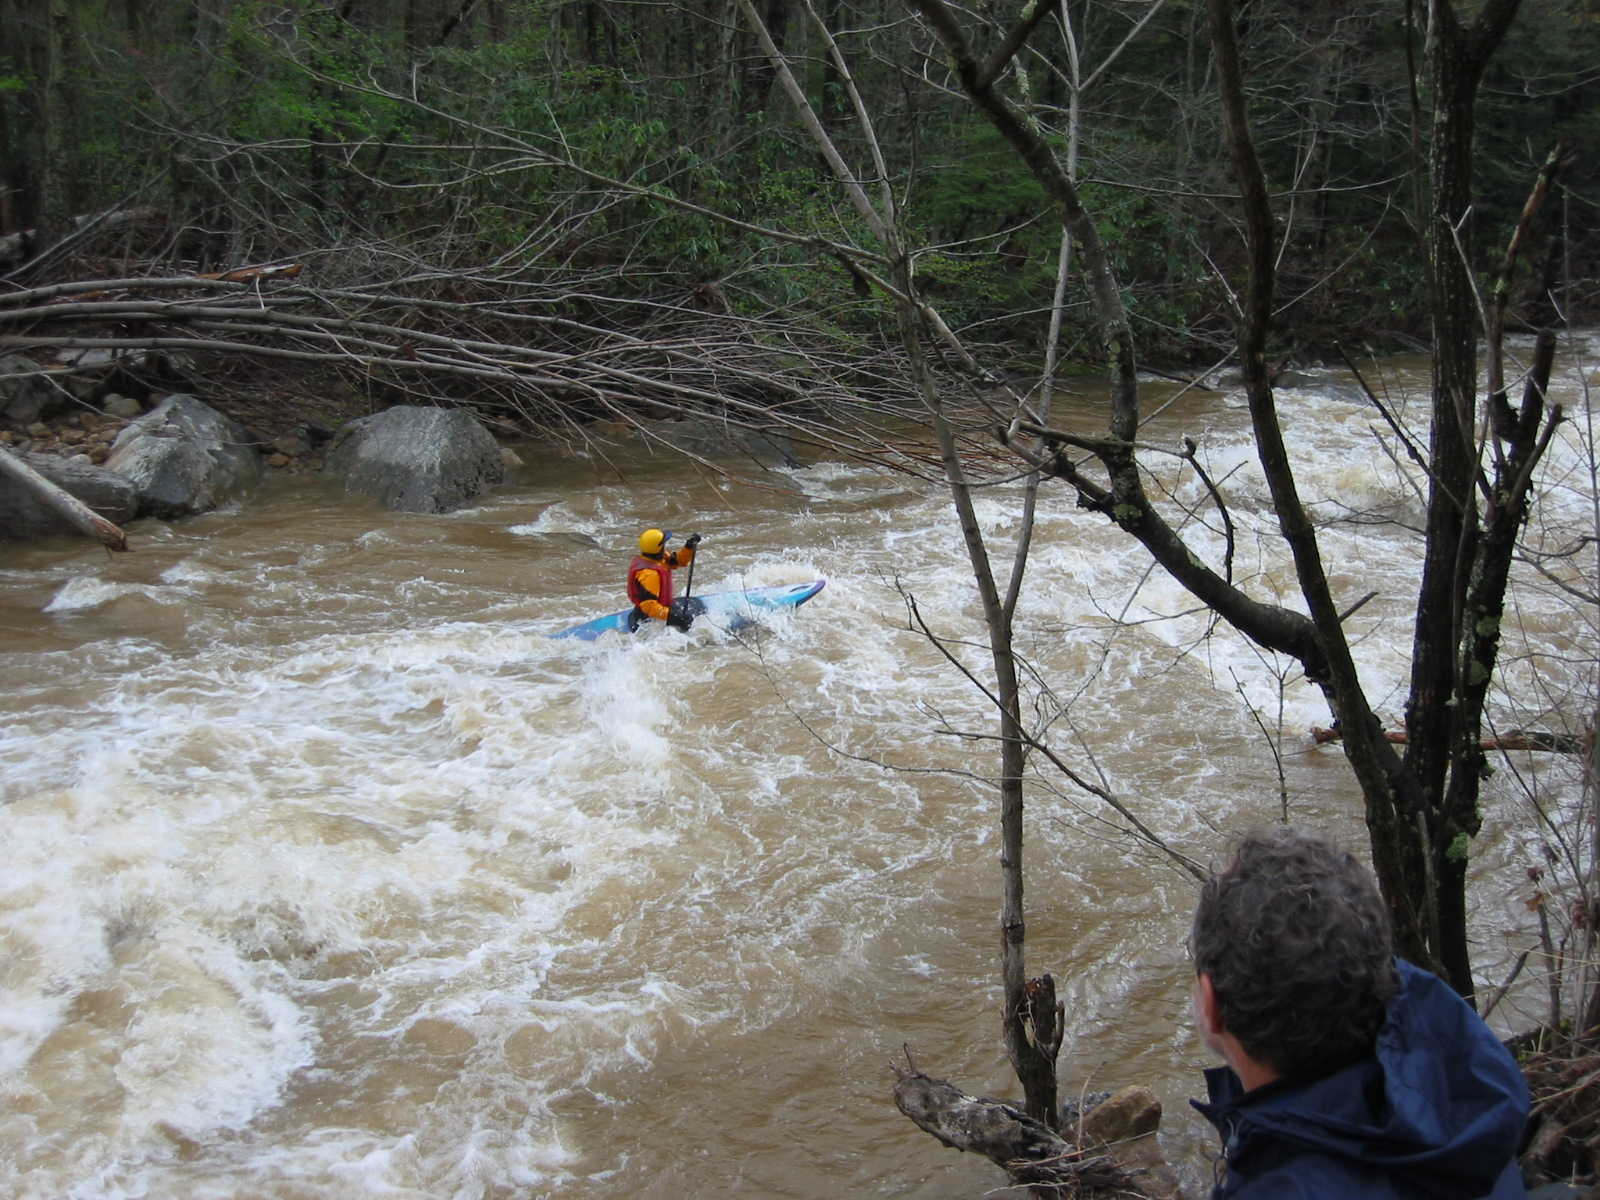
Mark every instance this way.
x=653 y=541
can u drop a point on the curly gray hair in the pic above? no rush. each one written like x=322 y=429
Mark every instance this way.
x=1299 y=948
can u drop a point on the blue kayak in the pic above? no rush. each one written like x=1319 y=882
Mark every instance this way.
x=729 y=610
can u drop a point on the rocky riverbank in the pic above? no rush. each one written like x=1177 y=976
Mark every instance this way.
x=88 y=434
x=76 y=403
x=184 y=457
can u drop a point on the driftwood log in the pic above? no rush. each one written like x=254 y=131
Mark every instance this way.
x=1031 y=1154
x=1512 y=739
x=62 y=502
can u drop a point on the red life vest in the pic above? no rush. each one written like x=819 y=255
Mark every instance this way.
x=659 y=566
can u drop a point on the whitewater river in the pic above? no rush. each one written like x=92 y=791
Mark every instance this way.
x=328 y=875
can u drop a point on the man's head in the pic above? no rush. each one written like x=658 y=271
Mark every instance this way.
x=1294 y=954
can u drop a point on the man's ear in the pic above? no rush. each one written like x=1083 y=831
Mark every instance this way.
x=1205 y=1005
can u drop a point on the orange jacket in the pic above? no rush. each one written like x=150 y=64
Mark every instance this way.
x=650 y=581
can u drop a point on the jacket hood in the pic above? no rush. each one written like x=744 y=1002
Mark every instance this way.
x=1442 y=1103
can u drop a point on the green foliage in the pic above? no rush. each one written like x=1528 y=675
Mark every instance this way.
x=1538 y=92
x=974 y=187
x=273 y=113
x=268 y=96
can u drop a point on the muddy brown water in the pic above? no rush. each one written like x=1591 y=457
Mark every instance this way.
x=328 y=874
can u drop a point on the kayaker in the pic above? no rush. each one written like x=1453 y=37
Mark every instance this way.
x=650 y=580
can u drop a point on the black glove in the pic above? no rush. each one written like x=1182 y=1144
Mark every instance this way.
x=680 y=615
x=694 y=540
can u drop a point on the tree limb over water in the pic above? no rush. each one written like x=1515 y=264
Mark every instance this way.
x=502 y=348
x=1512 y=739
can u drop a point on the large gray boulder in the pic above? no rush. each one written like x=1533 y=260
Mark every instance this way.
x=705 y=437
x=184 y=458
x=25 y=517
x=413 y=459
x=712 y=438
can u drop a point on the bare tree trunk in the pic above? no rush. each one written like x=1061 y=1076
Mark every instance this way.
x=10 y=170
x=54 y=170
x=1589 y=889
x=1373 y=759
x=756 y=76
x=1031 y=1019
x=1446 y=809
x=1418 y=828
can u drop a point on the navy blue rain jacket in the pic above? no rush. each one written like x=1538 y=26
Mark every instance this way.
x=1439 y=1111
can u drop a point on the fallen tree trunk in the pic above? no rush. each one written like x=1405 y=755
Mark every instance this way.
x=1513 y=739
x=1030 y=1153
x=63 y=503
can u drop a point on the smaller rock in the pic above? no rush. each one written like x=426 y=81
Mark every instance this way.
x=1130 y=1113
x=124 y=407
x=38 y=430
x=92 y=359
x=314 y=434
x=279 y=460
x=1076 y=1105
x=27 y=394
x=290 y=444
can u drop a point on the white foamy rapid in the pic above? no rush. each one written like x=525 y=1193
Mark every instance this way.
x=328 y=874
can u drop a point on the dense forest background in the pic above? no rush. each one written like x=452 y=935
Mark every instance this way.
x=602 y=163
